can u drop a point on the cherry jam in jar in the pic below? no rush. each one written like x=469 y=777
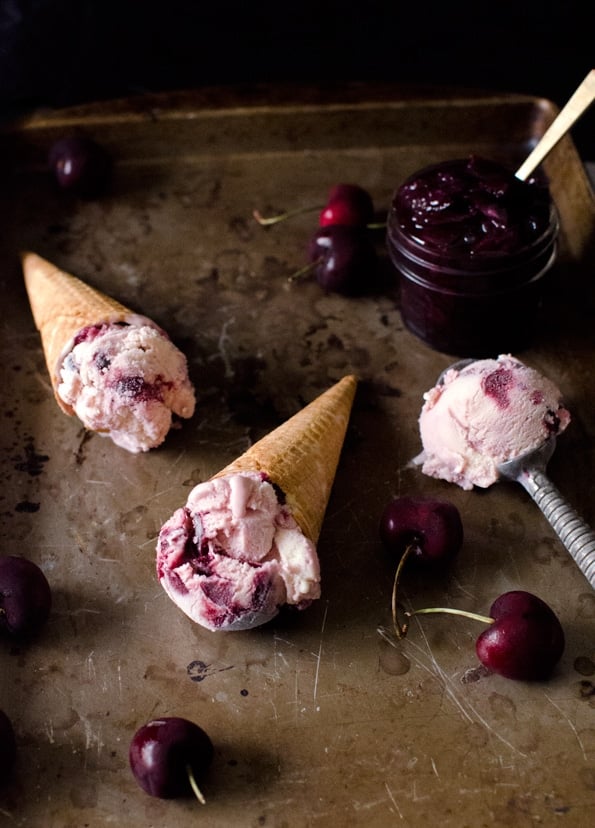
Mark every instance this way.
x=472 y=244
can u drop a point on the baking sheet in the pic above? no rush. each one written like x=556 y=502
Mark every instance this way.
x=314 y=717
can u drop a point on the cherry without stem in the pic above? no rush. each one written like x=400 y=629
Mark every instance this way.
x=169 y=756
x=80 y=165
x=25 y=597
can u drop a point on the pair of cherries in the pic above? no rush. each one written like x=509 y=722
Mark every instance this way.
x=524 y=638
x=341 y=252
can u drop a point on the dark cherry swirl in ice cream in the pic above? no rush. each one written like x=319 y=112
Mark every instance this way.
x=234 y=555
x=127 y=381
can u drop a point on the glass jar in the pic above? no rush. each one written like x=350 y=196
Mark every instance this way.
x=472 y=245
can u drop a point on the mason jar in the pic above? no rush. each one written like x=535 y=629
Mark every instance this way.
x=472 y=245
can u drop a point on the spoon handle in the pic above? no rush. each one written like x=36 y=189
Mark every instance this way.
x=581 y=99
x=576 y=535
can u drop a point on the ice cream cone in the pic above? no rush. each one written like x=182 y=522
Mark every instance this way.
x=302 y=454
x=62 y=305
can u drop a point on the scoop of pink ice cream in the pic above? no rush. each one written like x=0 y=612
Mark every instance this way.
x=234 y=555
x=490 y=411
x=126 y=381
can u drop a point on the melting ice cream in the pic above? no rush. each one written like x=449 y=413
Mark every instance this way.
x=244 y=544
x=234 y=555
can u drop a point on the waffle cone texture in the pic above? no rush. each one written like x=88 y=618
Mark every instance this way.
x=62 y=305
x=301 y=455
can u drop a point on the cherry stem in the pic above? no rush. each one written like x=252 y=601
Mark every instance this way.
x=193 y=784
x=401 y=629
x=474 y=616
x=265 y=221
x=304 y=271
x=269 y=221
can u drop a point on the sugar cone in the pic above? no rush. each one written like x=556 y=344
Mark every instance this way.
x=302 y=454
x=62 y=305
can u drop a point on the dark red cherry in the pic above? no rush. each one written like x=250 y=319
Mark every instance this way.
x=347 y=204
x=80 y=165
x=25 y=597
x=526 y=639
x=8 y=746
x=345 y=259
x=432 y=527
x=169 y=756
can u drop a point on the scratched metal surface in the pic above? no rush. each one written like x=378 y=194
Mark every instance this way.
x=314 y=717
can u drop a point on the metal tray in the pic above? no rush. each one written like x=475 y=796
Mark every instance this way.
x=315 y=718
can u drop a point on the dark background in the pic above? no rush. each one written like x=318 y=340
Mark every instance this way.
x=61 y=52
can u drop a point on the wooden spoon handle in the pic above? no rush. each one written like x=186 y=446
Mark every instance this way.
x=582 y=98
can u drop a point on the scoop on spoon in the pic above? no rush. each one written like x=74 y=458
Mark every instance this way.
x=529 y=469
x=580 y=100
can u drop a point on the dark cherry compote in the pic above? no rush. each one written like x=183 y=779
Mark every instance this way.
x=472 y=244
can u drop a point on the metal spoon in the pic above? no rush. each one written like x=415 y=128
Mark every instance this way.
x=576 y=535
x=581 y=99
x=529 y=470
